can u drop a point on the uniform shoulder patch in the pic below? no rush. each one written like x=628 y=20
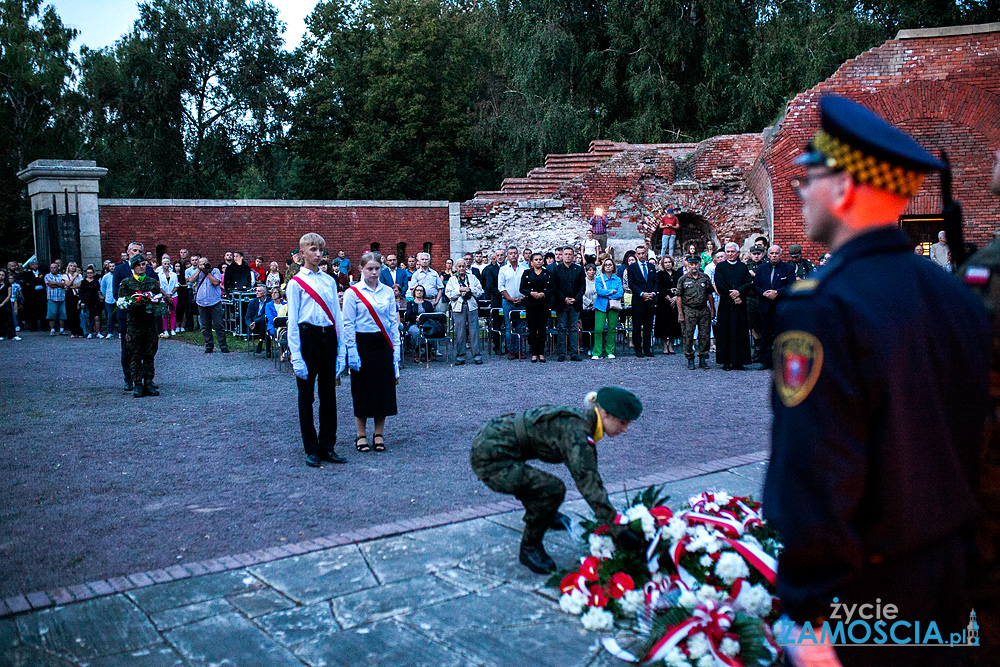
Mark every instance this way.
x=805 y=285
x=798 y=361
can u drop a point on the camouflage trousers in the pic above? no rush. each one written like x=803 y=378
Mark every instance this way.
x=702 y=319
x=142 y=342
x=540 y=492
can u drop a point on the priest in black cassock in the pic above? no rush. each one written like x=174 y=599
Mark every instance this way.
x=732 y=333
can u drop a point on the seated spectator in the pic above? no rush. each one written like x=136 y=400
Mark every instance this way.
x=273 y=277
x=414 y=309
x=400 y=302
x=280 y=310
x=260 y=311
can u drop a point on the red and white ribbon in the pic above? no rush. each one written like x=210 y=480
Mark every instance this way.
x=764 y=563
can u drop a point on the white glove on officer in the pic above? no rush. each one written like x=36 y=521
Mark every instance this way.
x=353 y=360
x=300 y=369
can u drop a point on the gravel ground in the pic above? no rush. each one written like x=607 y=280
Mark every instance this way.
x=99 y=484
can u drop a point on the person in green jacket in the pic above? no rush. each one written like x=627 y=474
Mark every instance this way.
x=140 y=334
x=554 y=434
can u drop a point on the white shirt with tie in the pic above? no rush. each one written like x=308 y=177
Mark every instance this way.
x=358 y=319
x=303 y=309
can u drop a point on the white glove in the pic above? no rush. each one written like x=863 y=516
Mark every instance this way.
x=300 y=369
x=353 y=360
x=341 y=364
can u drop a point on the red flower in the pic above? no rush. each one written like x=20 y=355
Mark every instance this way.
x=620 y=583
x=569 y=582
x=661 y=514
x=603 y=529
x=589 y=568
x=597 y=597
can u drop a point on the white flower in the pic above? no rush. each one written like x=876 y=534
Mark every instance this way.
x=573 y=602
x=675 y=529
x=121 y=302
x=706 y=593
x=703 y=540
x=722 y=498
x=747 y=537
x=729 y=647
x=708 y=661
x=698 y=646
x=676 y=658
x=706 y=561
x=597 y=619
x=647 y=520
x=633 y=601
x=688 y=600
x=731 y=567
x=754 y=601
x=601 y=546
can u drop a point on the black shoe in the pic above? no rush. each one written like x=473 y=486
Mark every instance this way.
x=638 y=354
x=702 y=364
x=225 y=350
x=332 y=457
x=209 y=350
x=560 y=522
x=478 y=359
x=738 y=367
x=137 y=390
x=460 y=362
x=576 y=357
x=129 y=386
x=562 y=357
x=154 y=385
x=260 y=348
x=534 y=558
x=313 y=461
x=150 y=389
x=691 y=364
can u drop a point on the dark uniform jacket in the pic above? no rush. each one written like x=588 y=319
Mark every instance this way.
x=879 y=395
x=784 y=278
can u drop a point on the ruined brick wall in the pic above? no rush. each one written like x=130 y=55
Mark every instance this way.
x=942 y=86
x=272 y=228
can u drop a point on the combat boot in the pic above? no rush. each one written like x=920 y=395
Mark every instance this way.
x=137 y=390
x=703 y=363
x=150 y=389
x=534 y=558
x=560 y=522
x=690 y=364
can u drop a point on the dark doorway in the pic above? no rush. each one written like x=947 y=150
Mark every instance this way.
x=375 y=246
x=922 y=229
x=401 y=253
x=161 y=249
x=694 y=228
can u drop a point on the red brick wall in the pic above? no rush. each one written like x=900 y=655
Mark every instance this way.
x=943 y=90
x=272 y=231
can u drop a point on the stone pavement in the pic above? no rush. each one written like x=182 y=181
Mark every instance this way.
x=453 y=594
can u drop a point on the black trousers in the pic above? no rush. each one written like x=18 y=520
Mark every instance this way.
x=319 y=351
x=767 y=331
x=536 y=318
x=126 y=350
x=642 y=324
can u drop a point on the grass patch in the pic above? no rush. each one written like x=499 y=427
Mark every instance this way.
x=235 y=343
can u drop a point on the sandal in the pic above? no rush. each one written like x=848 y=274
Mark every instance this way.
x=362 y=448
x=378 y=442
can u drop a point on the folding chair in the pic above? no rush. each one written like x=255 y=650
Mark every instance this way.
x=443 y=338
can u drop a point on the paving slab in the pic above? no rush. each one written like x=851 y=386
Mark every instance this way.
x=185 y=592
x=754 y=471
x=100 y=627
x=385 y=643
x=162 y=656
x=404 y=557
x=396 y=599
x=320 y=575
x=33 y=656
x=294 y=626
x=172 y=618
x=8 y=634
x=470 y=582
x=258 y=603
x=229 y=639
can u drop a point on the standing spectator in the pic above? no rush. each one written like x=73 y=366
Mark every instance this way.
x=292 y=267
x=339 y=275
x=803 y=267
x=345 y=264
x=667 y=326
x=393 y=274
x=463 y=290
x=941 y=253
x=123 y=271
x=589 y=296
x=599 y=226
x=206 y=284
x=414 y=309
x=708 y=255
x=373 y=351
x=509 y=284
x=525 y=262
x=238 y=276
x=569 y=284
x=189 y=271
x=35 y=297
x=140 y=330
x=55 y=292
x=772 y=282
x=442 y=304
x=668 y=229
x=317 y=346
x=7 y=306
x=91 y=303
x=478 y=264
x=272 y=278
x=260 y=311
x=109 y=304
x=607 y=305
x=168 y=285
x=732 y=334
x=709 y=269
x=428 y=278
x=696 y=309
x=183 y=254
x=489 y=278
x=72 y=279
x=549 y=260
x=537 y=288
x=180 y=311
x=258 y=268
x=642 y=282
x=411 y=266
x=757 y=260
x=591 y=248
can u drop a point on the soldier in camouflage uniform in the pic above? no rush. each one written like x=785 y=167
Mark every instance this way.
x=694 y=290
x=140 y=334
x=554 y=434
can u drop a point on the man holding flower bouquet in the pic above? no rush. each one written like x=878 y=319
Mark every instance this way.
x=140 y=297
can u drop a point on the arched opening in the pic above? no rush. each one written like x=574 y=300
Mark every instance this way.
x=694 y=228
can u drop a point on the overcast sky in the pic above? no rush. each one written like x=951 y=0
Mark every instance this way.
x=102 y=22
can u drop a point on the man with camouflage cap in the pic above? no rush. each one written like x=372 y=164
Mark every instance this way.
x=141 y=339
x=803 y=267
x=694 y=290
x=553 y=434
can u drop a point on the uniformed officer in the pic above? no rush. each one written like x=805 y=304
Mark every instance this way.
x=753 y=313
x=141 y=338
x=802 y=265
x=694 y=290
x=554 y=434
x=879 y=395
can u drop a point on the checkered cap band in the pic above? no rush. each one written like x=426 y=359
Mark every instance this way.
x=868 y=169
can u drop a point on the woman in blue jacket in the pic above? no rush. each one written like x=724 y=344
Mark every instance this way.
x=609 y=288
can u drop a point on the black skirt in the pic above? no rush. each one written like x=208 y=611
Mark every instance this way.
x=373 y=388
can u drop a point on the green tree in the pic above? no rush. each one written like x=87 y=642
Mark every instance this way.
x=36 y=118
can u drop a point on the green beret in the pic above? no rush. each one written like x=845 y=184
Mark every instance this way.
x=619 y=403
x=294 y=252
x=135 y=260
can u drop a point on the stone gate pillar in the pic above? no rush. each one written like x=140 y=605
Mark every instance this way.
x=68 y=187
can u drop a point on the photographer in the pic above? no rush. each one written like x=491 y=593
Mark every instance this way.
x=206 y=284
x=462 y=290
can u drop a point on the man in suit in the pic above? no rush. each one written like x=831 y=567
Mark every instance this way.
x=570 y=283
x=488 y=277
x=393 y=274
x=642 y=282
x=771 y=282
x=258 y=314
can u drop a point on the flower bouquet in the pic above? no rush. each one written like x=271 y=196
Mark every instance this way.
x=154 y=303
x=700 y=592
